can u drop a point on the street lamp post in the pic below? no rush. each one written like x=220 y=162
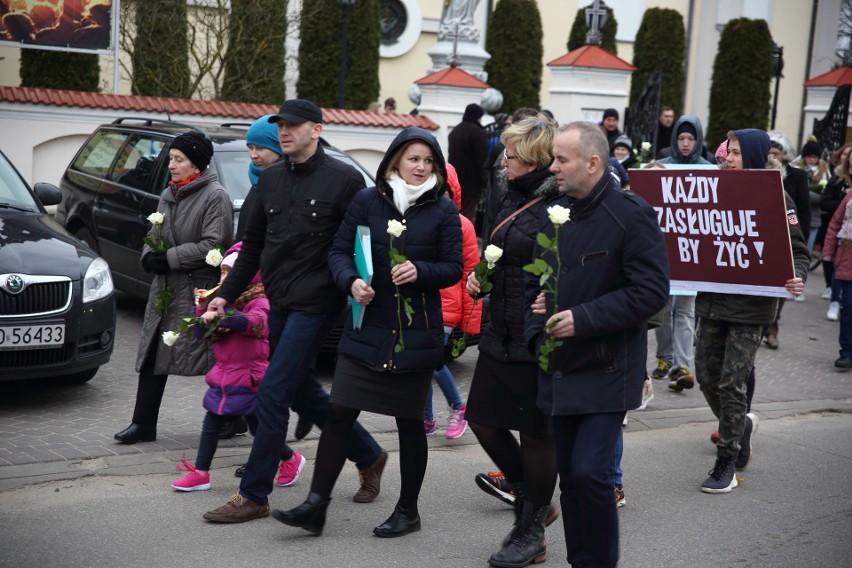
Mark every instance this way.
x=346 y=5
x=777 y=72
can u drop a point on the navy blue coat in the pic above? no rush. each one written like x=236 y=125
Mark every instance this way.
x=614 y=276
x=432 y=241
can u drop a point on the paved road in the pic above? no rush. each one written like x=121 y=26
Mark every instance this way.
x=73 y=497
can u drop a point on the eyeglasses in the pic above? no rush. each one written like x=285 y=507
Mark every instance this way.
x=507 y=157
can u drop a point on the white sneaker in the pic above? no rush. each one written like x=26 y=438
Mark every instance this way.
x=826 y=295
x=647 y=394
x=833 y=311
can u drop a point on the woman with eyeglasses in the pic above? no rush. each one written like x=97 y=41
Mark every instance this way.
x=505 y=383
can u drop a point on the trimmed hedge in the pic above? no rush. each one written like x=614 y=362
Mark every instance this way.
x=255 y=60
x=161 y=50
x=577 y=37
x=515 y=44
x=659 y=45
x=60 y=70
x=320 y=50
x=742 y=71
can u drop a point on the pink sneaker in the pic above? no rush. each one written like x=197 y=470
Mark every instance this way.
x=429 y=426
x=194 y=481
x=289 y=471
x=457 y=425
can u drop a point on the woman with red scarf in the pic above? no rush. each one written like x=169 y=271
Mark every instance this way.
x=196 y=217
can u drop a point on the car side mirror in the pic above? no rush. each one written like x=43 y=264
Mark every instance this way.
x=48 y=194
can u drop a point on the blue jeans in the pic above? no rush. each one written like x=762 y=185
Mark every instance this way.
x=294 y=339
x=615 y=467
x=447 y=382
x=845 y=318
x=676 y=336
x=585 y=446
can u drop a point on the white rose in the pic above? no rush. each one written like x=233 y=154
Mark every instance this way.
x=558 y=215
x=170 y=337
x=646 y=146
x=395 y=228
x=823 y=182
x=492 y=255
x=214 y=257
x=156 y=218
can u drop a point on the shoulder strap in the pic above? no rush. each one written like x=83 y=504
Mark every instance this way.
x=529 y=204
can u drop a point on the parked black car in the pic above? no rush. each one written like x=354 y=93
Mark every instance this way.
x=57 y=305
x=115 y=181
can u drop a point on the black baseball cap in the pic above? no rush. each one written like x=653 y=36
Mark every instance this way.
x=297 y=111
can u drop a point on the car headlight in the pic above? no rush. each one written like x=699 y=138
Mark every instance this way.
x=97 y=283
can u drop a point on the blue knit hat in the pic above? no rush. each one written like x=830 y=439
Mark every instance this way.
x=264 y=134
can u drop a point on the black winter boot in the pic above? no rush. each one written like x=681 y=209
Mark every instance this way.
x=527 y=546
x=310 y=515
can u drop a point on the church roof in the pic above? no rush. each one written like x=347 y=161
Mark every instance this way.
x=453 y=77
x=592 y=56
x=834 y=78
x=225 y=109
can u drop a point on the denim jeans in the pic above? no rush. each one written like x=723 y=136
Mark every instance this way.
x=845 y=318
x=675 y=338
x=294 y=339
x=447 y=382
x=585 y=445
x=615 y=468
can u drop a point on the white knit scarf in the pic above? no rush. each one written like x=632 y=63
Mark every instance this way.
x=404 y=194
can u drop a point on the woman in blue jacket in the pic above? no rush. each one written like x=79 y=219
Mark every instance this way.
x=386 y=366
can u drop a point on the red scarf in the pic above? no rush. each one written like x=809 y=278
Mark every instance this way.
x=178 y=185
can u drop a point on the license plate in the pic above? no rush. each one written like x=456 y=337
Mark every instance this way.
x=20 y=337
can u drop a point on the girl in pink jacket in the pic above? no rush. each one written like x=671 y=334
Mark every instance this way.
x=241 y=348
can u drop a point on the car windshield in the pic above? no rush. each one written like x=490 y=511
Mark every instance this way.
x=14 y=194
x=233 y=174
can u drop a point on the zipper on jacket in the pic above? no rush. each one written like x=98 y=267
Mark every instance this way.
x=425 y=310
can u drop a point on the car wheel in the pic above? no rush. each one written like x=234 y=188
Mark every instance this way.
x=84 y=235
x=76 y=378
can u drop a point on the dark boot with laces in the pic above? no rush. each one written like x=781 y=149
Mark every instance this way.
x=722 y=477
x=527 y=545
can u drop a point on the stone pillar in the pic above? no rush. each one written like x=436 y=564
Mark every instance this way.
x=586 y=82
x=444 y=96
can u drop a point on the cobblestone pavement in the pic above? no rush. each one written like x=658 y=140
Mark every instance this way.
x=41 y=423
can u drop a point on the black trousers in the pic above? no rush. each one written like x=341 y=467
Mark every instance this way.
x=149 y=391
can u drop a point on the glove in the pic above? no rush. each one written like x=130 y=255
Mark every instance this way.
x=157 y=262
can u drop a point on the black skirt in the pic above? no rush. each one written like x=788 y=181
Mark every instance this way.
x=503 y=395
x=402 y=395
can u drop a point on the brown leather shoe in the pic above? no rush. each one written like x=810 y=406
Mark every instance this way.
x=371 y=480
x=237 y=510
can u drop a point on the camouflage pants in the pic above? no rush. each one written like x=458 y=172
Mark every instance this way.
x=724 y=357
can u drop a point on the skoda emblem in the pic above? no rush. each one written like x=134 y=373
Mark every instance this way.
x=14 y=284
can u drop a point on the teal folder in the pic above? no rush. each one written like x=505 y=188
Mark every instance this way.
x=364 y=266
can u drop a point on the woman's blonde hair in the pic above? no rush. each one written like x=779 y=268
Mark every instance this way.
x=533 y=140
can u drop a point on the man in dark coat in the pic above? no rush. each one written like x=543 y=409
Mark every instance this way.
x=609 y=125
x=467 y=151
x=300 y=203
x=664 y=129
x=613 y=277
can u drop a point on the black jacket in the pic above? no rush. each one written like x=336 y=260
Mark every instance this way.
x=467 y=150
x=796 y=186
x=614 y=277
x=432 y=241
x=503 y=337
x=288 y=232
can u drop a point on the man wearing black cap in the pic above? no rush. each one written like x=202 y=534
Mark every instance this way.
x=609 y=125
x=301 y=202
x=467 y=151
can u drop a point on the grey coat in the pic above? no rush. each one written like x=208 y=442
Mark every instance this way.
x=204 y=217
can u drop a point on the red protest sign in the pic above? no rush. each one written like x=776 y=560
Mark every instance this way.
x=726 y=230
